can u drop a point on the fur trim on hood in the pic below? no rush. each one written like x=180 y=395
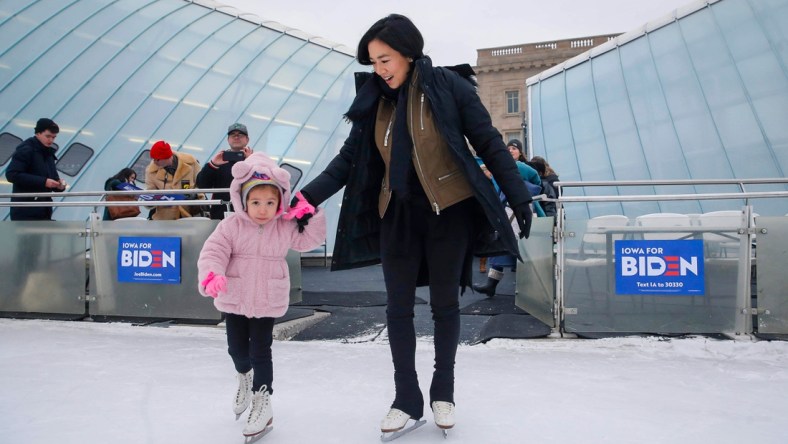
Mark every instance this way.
x=264 y=165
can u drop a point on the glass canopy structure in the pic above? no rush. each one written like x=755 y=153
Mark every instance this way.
x=117 y=75
x=701 y=93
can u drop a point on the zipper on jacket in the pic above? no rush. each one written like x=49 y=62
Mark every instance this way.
x=430 y=194
x=388 y=128
x=421 y=112
x=447 y=176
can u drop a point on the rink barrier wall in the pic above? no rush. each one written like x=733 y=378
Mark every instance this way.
x=71 y=267
x=568 y=279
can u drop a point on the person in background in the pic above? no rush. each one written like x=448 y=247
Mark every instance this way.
x=217 y=173
x=547 y=188
x=169 y=170
x=550 y=175
x=32 y=170
x=416 y=200
x=242 y=266
x=125 y=179
x=497 y=264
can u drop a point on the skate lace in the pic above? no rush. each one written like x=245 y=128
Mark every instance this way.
x=393 y=414
x=244 y=383
x=442 y=408
x=265 y=399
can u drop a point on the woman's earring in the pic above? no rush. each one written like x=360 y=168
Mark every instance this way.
x=410 y=60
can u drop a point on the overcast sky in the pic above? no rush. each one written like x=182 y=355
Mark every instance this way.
x=454 y=29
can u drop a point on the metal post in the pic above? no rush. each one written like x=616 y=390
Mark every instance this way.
x=743 y=323
x=558 y=304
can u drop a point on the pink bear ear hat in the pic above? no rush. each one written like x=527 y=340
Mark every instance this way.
x=258 y=169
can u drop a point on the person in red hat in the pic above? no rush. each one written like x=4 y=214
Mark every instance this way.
x=170 y=170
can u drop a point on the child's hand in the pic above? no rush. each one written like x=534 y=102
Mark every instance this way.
x=214 y=284
x=301 y=210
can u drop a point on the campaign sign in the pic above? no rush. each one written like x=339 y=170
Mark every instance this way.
x=667 y=268
x=149 y=260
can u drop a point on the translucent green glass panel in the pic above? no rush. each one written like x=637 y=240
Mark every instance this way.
x=592 y=304
x=762 y=73
x=772 y=281
x=133 y=71
x=535 y=280
x=114 y=298
x=45 y=43
x=44 y=266
x=702 y=97
x=726 y=95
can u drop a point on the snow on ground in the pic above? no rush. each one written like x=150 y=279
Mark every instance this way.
x=81 y=382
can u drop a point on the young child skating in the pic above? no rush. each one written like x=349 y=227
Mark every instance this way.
x=242 y=266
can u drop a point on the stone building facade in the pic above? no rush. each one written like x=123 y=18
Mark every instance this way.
x=501 y=73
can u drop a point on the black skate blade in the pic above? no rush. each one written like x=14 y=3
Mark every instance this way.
x=391 y=436
x=249 y=439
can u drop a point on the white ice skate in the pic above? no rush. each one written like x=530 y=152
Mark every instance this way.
x=397 y=423
x=261 y=416
x=244 y=394
x=444 y=415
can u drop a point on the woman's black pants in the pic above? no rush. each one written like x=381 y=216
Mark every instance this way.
x=441 y=242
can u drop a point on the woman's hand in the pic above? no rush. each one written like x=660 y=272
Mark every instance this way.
x=301 y=210
x=524 y=217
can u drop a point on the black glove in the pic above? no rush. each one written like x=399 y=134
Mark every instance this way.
x=302 y=222
x=524 y=217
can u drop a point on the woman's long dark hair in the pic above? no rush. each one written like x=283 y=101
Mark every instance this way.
x=124 y=175
x=396 y=31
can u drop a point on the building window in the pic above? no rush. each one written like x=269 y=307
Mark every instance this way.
x=8 y=144
x=509 y=136
x=141 y=164
x=74 y=159
x=512 y=102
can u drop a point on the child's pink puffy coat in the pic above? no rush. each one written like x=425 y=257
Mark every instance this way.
x=252 y=256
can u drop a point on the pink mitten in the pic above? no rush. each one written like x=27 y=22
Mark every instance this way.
x=214 y=284
x=299 y=208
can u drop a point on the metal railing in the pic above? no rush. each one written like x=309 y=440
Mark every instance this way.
x=558 y=311
x=71 y=268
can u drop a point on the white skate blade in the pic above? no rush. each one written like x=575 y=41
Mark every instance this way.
x=391 y=436
x=445 y=433
x=249 y=439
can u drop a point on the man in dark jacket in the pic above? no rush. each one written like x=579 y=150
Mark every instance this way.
x=217 y=173
x=32 y=170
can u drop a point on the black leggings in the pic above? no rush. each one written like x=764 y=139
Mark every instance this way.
x=249 y=343
x=441 y=242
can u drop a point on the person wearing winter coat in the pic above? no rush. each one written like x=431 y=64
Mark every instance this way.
x=550 y=176
x=416 y=201
x=125 y=179
x=533 y=182
x=169 y=170
x=217 y=173
x=32 y=170
x=242 y=266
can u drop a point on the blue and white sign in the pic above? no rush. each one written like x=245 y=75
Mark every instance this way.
x=667 y=268
x=150 y=260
